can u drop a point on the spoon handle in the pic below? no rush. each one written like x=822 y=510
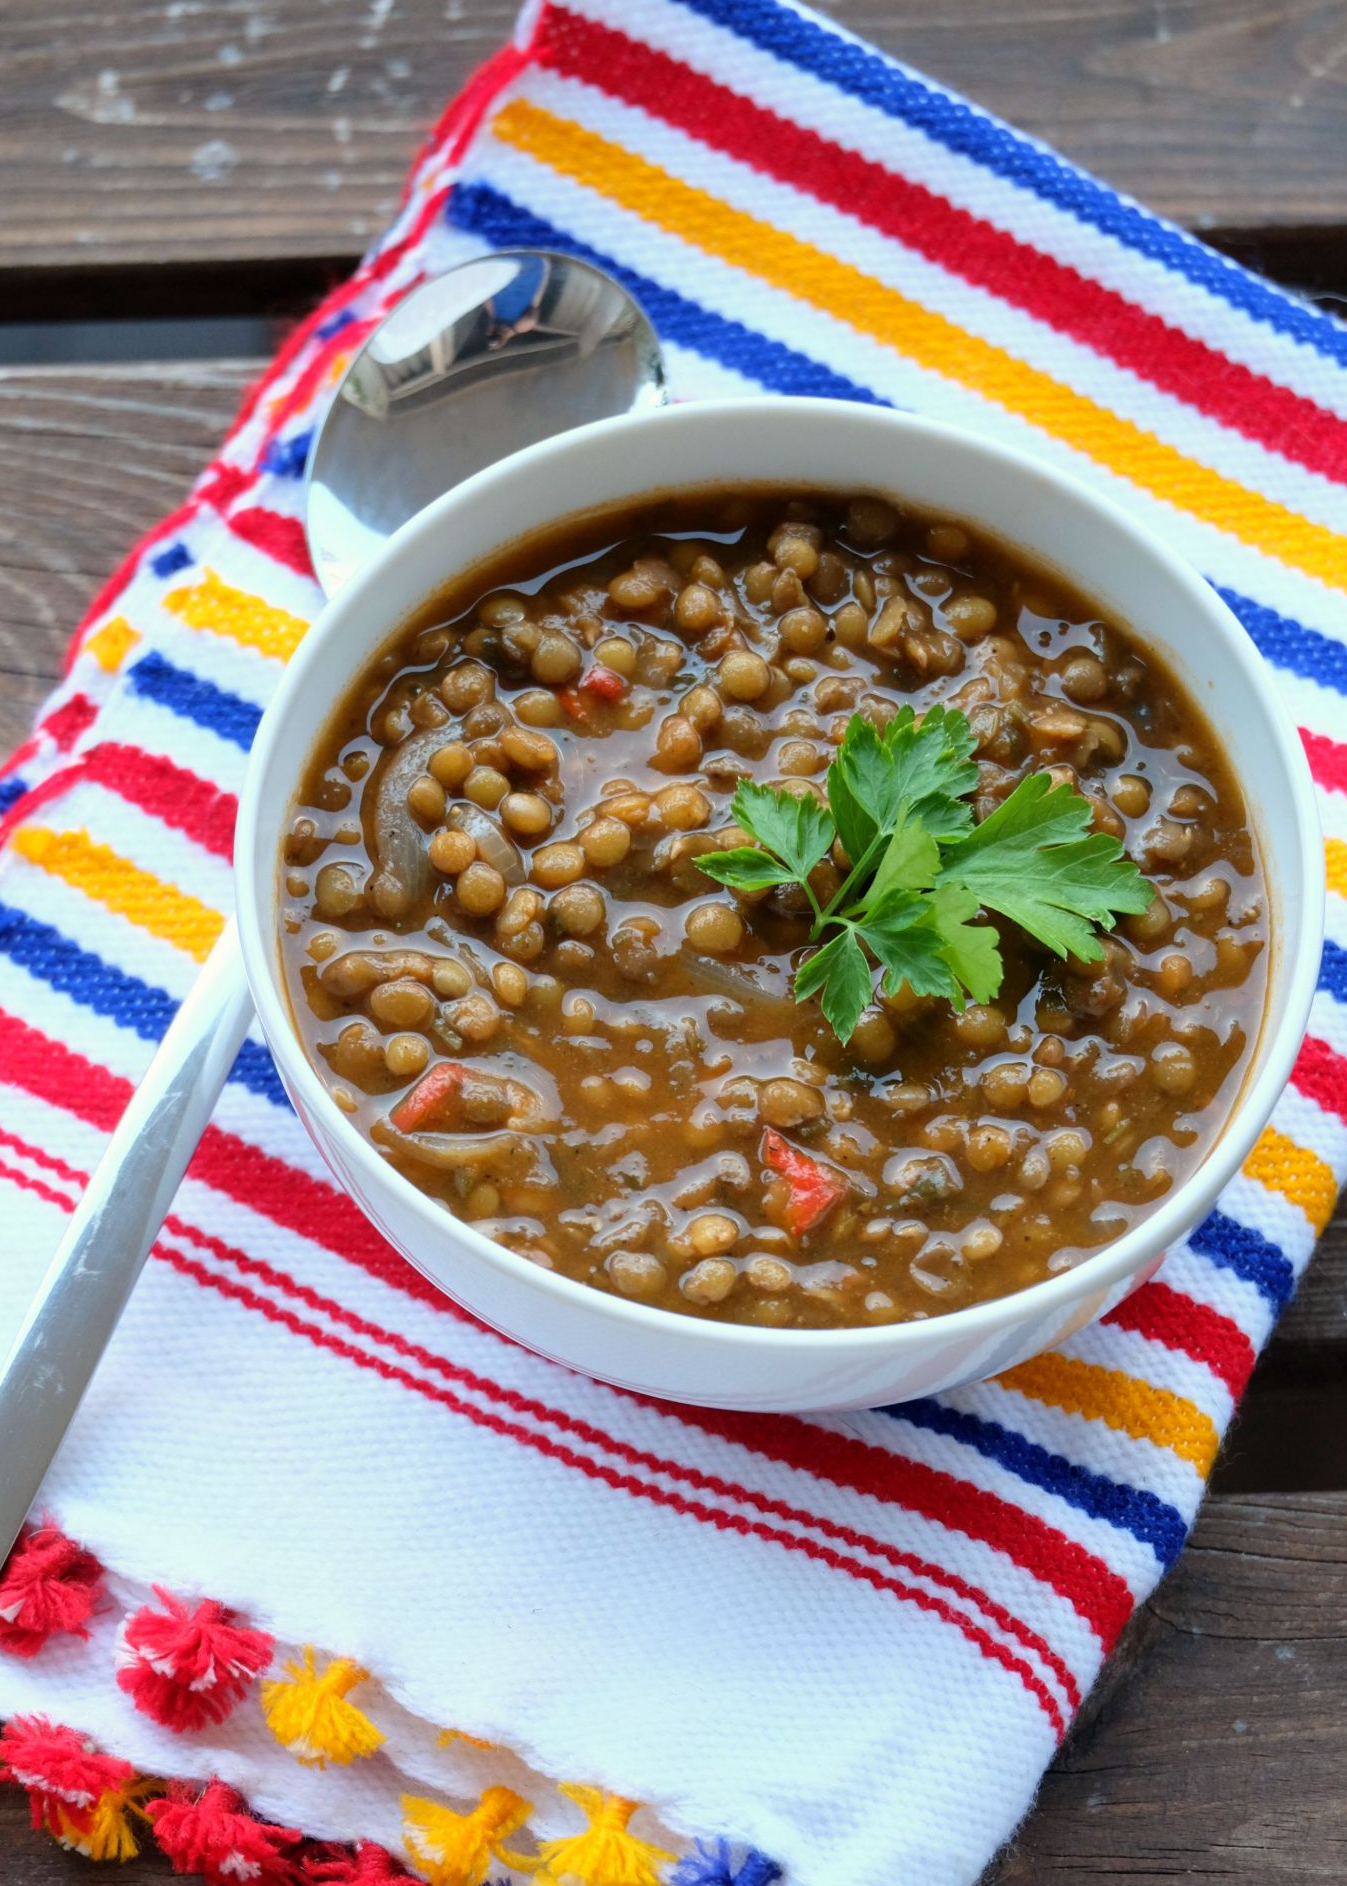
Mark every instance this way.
x=113 y=1227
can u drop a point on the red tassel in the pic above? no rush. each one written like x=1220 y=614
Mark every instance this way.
x=49 y=1585
x=63 y=1774
x=185 y=1669
x=365 y=1865
x=213 y=1834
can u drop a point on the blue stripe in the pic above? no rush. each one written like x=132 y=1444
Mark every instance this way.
x=1333 y=970
x=123 y=998
x=11 y=791
x=485 y=212
x=187 y=694
x=288 y=457
x=1248 y=1254
x=862 y=73
x=1289 y=645
x=334 y=324
x=169 y=562
x=1143 y=1514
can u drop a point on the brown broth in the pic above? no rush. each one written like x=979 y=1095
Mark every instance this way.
x=620 y=1032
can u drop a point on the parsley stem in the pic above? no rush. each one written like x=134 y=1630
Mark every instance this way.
x=876 y=844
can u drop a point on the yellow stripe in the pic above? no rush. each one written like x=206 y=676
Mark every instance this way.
x=1119 y=1401
x=846 y=293
x=214 y=605
x=123 y=887
x=111 y=643
x=1335 y=858
x=1298 y=1174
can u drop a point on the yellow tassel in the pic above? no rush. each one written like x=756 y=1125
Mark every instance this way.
x=109 y=1834
x=307 y=1712
x=446 y=1736
x=457 y=1849
x=605 y=1854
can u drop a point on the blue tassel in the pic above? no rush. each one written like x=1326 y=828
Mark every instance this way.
x=169 y=562
x=288 y=457
x=712 y=1866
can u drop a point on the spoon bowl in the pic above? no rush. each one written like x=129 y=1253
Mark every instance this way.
x=484 y=360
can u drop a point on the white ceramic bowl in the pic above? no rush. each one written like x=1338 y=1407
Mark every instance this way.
x=819 y=443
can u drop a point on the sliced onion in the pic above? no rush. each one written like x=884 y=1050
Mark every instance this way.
x=707 y=972
x=400 y=847
x=506 y=1155
x=493 y=847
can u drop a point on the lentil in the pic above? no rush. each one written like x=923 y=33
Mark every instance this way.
x=564 y=932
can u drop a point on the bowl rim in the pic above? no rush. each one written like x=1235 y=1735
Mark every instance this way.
x=1294 y=956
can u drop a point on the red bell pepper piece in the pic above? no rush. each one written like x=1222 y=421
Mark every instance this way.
x=428 y=1096
x=813 y=1187
x=605 y=682
x=572 y=704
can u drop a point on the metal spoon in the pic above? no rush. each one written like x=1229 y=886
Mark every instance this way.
x=489 y=357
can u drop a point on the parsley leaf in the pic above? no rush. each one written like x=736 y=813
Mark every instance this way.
x=924 y=877
x=863 y=789
x=798 y=830
x=841 y=972
x=972 y=950
x=910 y=861
x=746 y=869
x=933 y=767
x=904 y=936
x=1030 y=861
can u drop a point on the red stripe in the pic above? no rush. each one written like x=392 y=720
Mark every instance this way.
x=40 y=1157
x=181 y=799
x=1328 y=760
x=1083 y=1579
x=990 y=1647
x=1192 y=1329
x=964 y=245
x=599 y=1438
x=293 y=1199
x=274 y=534
x=582 y=1430
x=1321 y=1074
x=67 y=722
x=27 y=1183
x=315 y=1210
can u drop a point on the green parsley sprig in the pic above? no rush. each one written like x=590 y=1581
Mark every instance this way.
x=922 y=874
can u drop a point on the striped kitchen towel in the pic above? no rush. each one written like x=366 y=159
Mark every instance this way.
x=323 y=1560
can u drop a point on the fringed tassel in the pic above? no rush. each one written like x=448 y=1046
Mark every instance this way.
x=606 y=1853
x=49 y=1585
x=185 y=1669
x=453 y=1849
x=365 y=1865
x=307 y=1712
x=62 y=1772
x=213 y=1834
x=714 y=1866
x=106 y=1832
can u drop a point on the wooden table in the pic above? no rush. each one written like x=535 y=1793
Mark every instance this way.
x=203 y=169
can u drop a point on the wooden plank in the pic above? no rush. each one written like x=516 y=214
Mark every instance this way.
x=1217 y=1749
x=87 y=462
x=1214 y=1748
x=225 y=131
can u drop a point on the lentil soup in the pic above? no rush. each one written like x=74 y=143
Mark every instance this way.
x=514 y=978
